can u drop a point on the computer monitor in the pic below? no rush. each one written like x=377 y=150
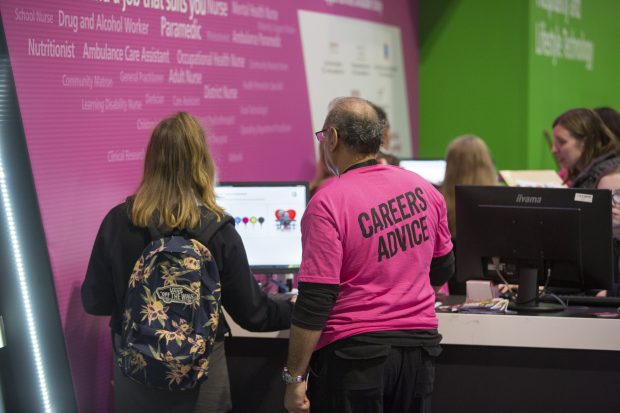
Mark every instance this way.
x=267 y=217
x=433 y=170
x=558 y=237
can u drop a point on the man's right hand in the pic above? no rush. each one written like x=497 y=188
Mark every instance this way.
x=295 y=399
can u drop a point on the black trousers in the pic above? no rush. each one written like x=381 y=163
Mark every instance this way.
x=351 y=377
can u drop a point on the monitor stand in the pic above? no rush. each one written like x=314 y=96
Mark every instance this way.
x=527 y=296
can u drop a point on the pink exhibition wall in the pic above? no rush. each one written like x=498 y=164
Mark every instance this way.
x=94 y=77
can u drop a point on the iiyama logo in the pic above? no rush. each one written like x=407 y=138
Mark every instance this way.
x=524 y=199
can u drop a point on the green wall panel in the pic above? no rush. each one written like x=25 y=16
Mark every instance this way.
x=473 y=77
x=581 y=76
x=483 y=70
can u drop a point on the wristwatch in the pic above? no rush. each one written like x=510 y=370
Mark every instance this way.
x=288 y=378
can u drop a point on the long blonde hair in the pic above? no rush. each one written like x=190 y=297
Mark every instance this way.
x=468 y=162
x=179 y=176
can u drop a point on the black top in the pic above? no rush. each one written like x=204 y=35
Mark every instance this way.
x=589 y=177
x=615 y=289
x=119 y=244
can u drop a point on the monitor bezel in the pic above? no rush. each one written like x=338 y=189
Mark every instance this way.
x=270 y=269
x=594 y=255
x=437 y=184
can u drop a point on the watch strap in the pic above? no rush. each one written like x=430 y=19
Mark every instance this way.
x=288 y=378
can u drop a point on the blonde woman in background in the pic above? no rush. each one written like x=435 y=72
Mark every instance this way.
x=468 y=162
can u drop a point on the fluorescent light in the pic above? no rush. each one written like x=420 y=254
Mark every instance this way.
x=2 y=342
x=23 y=286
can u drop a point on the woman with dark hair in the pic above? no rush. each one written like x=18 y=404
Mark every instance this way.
x=322 y=176
x=177 y=195
x=384 y=156
x=584 y=147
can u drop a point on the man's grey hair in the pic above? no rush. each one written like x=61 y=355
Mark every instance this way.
x=357 y=123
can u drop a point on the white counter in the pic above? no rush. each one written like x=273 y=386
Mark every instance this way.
x=510 y=331
x=530 y=331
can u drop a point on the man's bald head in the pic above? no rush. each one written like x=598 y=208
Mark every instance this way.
x=357 y=123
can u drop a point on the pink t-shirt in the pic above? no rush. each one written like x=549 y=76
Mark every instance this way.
x=374 y=232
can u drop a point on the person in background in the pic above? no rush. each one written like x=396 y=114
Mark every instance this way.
x=322 y=177
x=384 y=156
x=364 y=325
x=611 y=118
x=177 y=194
x=468 y=162
x=584 y=147
x=610 y=180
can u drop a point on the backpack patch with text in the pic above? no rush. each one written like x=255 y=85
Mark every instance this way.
x=171 y=315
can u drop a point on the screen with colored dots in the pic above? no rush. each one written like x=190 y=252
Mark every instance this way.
x=267 y=217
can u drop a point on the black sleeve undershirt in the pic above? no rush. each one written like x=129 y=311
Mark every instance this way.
x=442 y=269
x=313 y=305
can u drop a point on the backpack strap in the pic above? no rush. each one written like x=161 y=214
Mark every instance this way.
x=209 y=228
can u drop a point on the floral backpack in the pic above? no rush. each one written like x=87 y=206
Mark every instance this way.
x=171 y=315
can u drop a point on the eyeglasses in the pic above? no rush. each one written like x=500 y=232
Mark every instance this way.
x=615 y=198
x=320 y=135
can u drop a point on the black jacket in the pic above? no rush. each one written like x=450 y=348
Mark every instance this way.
x=589 y=177
x=119 y=244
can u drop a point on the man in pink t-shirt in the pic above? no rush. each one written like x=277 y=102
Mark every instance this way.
x=375 y=242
